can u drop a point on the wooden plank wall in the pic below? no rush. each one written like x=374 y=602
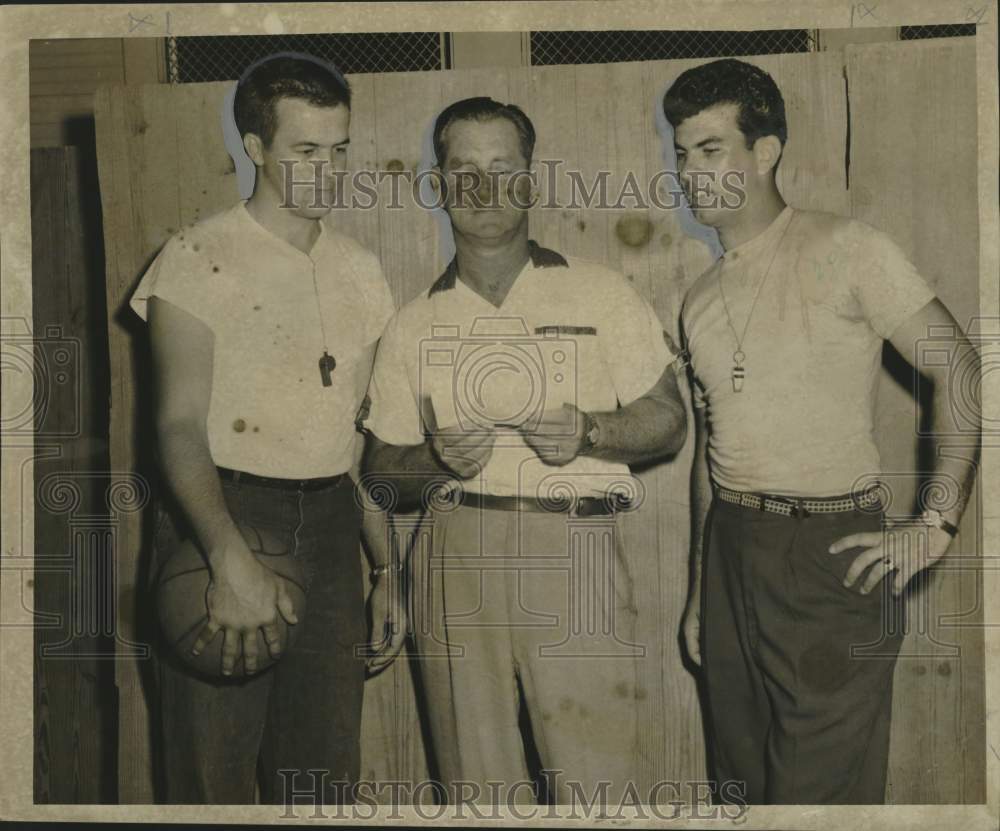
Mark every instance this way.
x=65 y=73
x=913 y=174
x=597 y=117
x=75 y=718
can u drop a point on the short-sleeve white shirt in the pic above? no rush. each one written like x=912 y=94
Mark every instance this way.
x=271 y=309
x=803 y=422
x=568 y=331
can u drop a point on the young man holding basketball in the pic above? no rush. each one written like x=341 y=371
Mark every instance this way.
x=785 y=336
x=263 y=321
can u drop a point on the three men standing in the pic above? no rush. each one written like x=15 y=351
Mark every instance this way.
x=525 y=383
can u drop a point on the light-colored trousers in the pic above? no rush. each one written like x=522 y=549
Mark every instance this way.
x=540 y=600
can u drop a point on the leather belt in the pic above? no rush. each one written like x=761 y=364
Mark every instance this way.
x=795 y=506
x=581 y=506
x=245 y=478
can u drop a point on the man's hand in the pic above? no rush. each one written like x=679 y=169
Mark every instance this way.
x=389 y=621
x=465 y=454
x=878 y=555
x=243 y=596
x=691 y=628
x=559 y=435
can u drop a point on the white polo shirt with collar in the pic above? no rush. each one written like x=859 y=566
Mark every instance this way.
x=271 y=308
x=568 y=331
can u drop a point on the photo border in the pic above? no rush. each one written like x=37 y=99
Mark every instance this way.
x=19 y=24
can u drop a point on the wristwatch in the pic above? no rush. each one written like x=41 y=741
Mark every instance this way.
x=933 y=519
x=385 y=568
x=591 y=433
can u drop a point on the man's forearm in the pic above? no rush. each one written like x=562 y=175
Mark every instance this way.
x=956 y=458
x=701 y=500
x=376 y=530
x=407 y=470
x=645 y=429
x=194 y=480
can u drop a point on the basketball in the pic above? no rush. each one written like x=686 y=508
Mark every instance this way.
x=183 y=610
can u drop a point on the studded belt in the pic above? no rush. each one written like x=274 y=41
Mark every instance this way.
x=794 y=506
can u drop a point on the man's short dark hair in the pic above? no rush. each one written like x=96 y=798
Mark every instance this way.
x=483 y=109
x=729 y=81
x=285 y=75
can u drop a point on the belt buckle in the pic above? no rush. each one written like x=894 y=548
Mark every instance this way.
x=596 y=506
x=797 y=509
x=867 y=499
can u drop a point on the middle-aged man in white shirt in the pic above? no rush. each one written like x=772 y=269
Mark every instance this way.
x=785 y=333
x=263 y=321
x=529 y=382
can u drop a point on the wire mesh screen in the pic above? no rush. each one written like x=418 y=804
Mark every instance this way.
x=949 y=30
x=223 y=58
x=193 y=59
x=549 y=48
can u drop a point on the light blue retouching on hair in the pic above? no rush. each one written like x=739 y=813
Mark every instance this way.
x=428 y=161
x=246 y=171
x=689 y=225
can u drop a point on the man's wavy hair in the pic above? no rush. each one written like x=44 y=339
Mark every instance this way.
x=483 y=109
x=285 y=75
x=729 y=81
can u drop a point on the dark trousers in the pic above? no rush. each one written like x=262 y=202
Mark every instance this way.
x=798 y=668
x=302 y=714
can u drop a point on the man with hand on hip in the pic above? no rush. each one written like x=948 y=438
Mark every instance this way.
x=785 y=335
x=524 y=383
